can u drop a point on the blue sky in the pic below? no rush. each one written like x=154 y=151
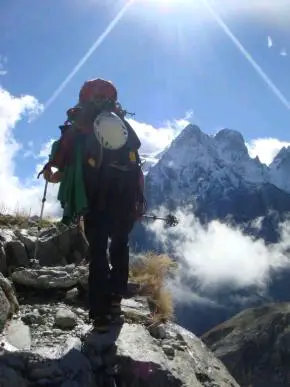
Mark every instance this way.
x=166 y=59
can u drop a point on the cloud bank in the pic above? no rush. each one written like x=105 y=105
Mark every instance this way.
x=16 y=195
x=266 y=148
x=220 y=256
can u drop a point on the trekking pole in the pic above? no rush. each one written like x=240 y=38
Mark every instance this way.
x=170 y=220
x=40 y=219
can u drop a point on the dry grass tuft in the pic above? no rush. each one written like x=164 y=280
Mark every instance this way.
x=19 y=218
x=151 y=273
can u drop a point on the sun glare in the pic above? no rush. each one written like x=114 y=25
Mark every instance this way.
x=166 y=2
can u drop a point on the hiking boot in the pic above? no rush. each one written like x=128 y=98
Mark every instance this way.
x=101 y=324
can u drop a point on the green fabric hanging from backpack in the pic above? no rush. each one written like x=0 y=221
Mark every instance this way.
x=72 y=194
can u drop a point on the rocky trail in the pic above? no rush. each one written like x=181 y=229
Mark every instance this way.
x=47 y=339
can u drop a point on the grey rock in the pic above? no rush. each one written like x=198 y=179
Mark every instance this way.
x=58 y=332
x=83 y=279
x=143 y=361
x=18 y=334
x=73 y=343
x=33 y=317
x=158 y=331
x=72 y=295
x=13 y=253
x=65 y=319
x=6 y=286
x=48 y=278
x=3 y=260
x=43 y=310
x=137 y=310
x=5 y=308
x=25 y=236
x=57 y=244
x=7 y=235
x=168 y=350
x=16 y=255
x=8 y=301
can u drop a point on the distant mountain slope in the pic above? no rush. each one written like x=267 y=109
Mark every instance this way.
x=254 y=345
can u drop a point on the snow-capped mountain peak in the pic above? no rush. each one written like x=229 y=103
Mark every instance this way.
x=280 y=169
x=282 y=157
x=191 y=134
x=197 y=163
x=231 y=141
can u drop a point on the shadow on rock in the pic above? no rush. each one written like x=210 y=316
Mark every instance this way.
x=144 y=374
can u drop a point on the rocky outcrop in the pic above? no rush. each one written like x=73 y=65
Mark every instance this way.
x=73 y=355
x=50 y=341
x=58 y=277
x=46 y=338
x=254 y=345
x=57 y=245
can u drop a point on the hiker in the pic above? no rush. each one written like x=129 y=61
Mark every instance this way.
x=101 y=178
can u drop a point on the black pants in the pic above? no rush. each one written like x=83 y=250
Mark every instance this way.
x=111 y=220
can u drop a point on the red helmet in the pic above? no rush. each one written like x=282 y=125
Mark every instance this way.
x=97 y=88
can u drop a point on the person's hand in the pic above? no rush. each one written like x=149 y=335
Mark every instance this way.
x=51 y=177
x=47 y=174
x=56 y=177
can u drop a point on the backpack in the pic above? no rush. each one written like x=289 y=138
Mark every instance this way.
x=95 y=88
x=79 y=129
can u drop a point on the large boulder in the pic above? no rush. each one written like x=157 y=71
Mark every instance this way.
x=58 y=277
x=57 y=245
x=13 y=253
x=255 y=345
x=127 y=356
x=179 y=359
x=8 y=301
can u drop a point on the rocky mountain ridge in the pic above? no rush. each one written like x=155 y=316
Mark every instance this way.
x=216 y=177
x=254 y=345
x=224 y=156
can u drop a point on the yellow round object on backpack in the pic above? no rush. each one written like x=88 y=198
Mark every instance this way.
x=110 y=131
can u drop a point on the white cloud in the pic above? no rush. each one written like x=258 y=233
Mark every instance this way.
x=283 y=52
x=45 y=149
x=205 y=259
x=3 y=63
x=270 y=42
x=266 y=148
x=15 y=194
